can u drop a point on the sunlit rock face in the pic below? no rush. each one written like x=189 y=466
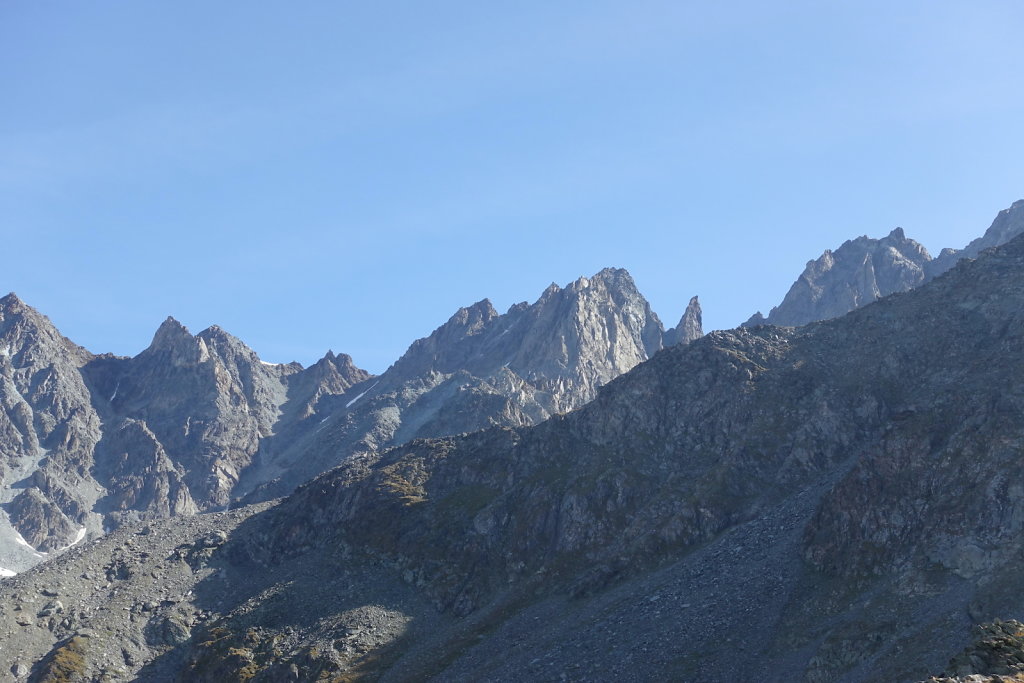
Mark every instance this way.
x=864 y=269
x=196 y=421
x=483 y=368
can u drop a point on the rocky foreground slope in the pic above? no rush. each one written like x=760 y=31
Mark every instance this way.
x=838 y=502
x=194 y=422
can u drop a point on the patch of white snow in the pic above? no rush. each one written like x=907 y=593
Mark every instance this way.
x=20 y=540
x=4 y=573
x=114 y=395
x=352 y=402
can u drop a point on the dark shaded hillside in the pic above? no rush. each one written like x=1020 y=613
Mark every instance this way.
x=839 y=502
x=911 y=406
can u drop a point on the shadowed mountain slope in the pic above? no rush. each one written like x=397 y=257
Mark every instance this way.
x=832 y=503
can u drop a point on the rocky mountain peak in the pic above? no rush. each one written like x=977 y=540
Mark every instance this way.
x=337 y=370
x=170 y=335
x=613 y=280
x=1007 y=224
x=690 y=327
x=231 y=348
x=12 y=308
x=865 y=269
x=550 y=291
x=344 y=363
x=11 y=303
x=584 y=335
x=858 y=272
x=471 y=319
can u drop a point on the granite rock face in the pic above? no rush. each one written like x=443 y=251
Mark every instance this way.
x=88 y=442
x=196 y=421
x=837 y=502
x=995 y=656
x=865 y=269
x=483 y=368
x=1008 y=224
x=833 y=502
x=690 y=327
x=857 y=273
x=48 y=432
x=856 y=474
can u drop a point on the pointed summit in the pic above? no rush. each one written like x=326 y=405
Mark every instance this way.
x=614 y=276
x=219 y=338
x=690 y=327
x=857 y=273
x=1008 y=224
x=11 y=305
x=11 y=301
x=171 y=333
x=469 y=320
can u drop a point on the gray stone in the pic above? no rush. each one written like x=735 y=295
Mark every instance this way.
x=863 y=270
x=51 y=608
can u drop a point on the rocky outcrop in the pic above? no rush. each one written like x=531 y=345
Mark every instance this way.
x=1008 y=224
x=207 y=399
x=690 y=327
x=568 y=343
x=856 y=470
x=856 y=477
x=483 y=368
x=865 y=269
x=995 y=656
x=857 y=273
x=195 y=421
x=48 y=434
x=89 y=442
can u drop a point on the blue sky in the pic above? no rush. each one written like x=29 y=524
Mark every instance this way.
x=345 y=175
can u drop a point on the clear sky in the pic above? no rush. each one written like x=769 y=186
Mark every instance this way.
x=313 y=175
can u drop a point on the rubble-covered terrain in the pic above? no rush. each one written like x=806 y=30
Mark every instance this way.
x=837 y=502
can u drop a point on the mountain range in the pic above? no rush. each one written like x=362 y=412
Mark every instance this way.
x=566 y=491
x=195 y=422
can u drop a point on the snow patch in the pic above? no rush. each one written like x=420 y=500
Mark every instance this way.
x=114 y=395
x=5 y=573
x=78 y=537
x=273 y=365
x=352 y=402
x=5 y=351
x=20 y=540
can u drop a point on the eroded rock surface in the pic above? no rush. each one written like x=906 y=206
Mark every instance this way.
x=836 y=502
x=864 y=269
x=196 y=421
